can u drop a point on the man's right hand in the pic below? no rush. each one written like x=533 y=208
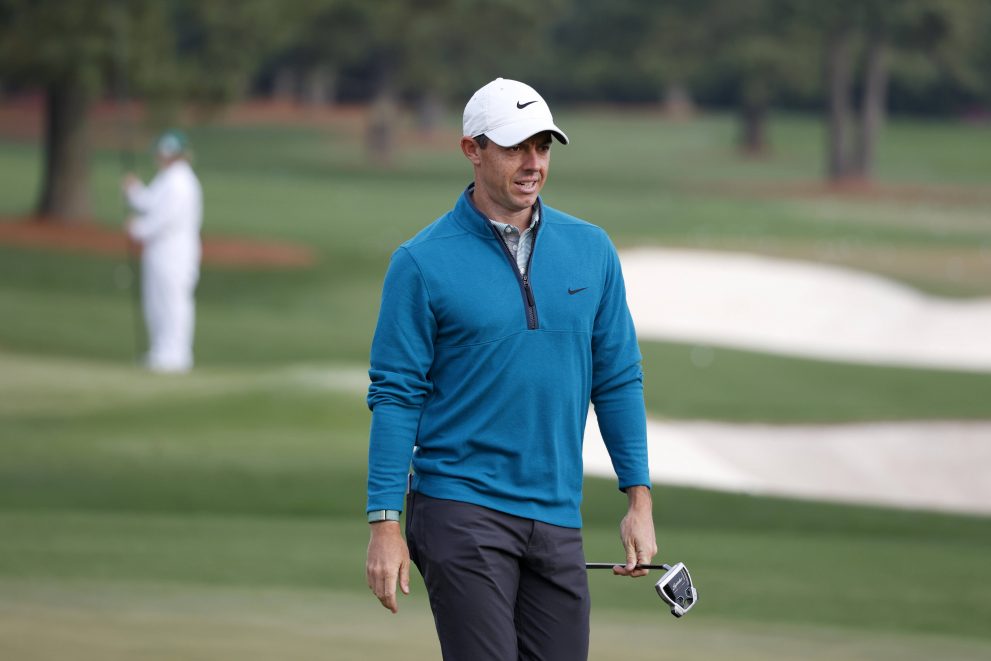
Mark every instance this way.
x=388 y=562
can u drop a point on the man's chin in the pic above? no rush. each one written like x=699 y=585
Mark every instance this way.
x=526 y=200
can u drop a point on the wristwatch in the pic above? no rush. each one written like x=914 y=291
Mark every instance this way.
x=383 y=515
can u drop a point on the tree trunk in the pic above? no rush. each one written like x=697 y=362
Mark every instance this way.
x=382 y=135
x=839 y=64
x=677 y=102
x=753 y=129
x=284 y=85
x=429 y=113
x=65 y=169
x=755 y=100
x=872 y=111
x=320 y=86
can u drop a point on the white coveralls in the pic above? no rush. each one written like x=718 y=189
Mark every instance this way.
x=169 y=214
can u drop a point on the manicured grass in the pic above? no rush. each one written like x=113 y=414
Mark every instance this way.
x=646 y=180
x=311 y=186
x=252 y=479
x=747 y=386
x=152 y=620
x=75 y=305
x=81 y=435
x=218 y=516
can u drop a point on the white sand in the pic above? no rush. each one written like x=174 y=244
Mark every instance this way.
x=924 y=465
x=822 y=312
x=800 y=308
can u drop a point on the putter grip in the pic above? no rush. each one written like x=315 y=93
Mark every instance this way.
x=610 y=565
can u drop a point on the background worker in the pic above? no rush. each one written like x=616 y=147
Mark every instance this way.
x=499 y=323
x=166 y=223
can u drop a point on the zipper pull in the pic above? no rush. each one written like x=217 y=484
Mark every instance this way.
x=529 y=292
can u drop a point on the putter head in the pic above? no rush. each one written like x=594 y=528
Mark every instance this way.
x=676 y=589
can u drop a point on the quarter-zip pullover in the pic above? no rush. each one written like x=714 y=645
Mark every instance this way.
x=482 y=376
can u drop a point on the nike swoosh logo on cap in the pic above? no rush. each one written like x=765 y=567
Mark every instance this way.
x=521 y=106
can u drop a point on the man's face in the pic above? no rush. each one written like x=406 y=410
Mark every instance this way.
x=162 y=161
x=508 y=179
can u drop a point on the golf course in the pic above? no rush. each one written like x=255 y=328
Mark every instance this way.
x=219 y=515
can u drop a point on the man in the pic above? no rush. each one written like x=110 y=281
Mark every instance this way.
x=499 y=323
x=168 y=215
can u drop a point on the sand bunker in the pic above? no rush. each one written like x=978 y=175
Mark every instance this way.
x=923 y=465
x=803 y=309
x=822 y=312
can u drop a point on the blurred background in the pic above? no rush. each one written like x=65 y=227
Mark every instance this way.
x=813 y=176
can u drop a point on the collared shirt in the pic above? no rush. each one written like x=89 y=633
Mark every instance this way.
x=520 y=245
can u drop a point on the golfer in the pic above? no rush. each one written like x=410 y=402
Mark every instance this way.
x=499 y=323
x=166 y=223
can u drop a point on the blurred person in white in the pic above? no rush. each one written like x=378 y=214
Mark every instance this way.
x=167 y=214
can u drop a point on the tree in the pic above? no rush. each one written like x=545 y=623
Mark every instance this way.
x=331 y=36
x=758 y=50
x=745 y=52
x=603 y=51
x=938 y=38
x=425 y=52
x=77 y=51
x=839 y=77
x=66 y=49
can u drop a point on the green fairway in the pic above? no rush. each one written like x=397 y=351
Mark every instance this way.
x=149 y=620
x=219 y=515
x=749 y=386
x=129 y=500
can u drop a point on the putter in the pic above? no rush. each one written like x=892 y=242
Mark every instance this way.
x=675 y=587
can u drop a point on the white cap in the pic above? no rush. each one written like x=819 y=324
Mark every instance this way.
x=508 y=112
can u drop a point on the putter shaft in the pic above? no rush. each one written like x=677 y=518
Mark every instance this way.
x=610 y=565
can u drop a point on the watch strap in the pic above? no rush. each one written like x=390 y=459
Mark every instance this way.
x=383 y=515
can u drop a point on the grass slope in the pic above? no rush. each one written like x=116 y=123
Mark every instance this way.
x=97 y=621
x=125 y=497
x=219 y=516
x=746 y=386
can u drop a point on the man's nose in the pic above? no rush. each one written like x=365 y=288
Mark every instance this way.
x=531 y=161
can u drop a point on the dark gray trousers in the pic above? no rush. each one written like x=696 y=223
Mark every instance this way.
x=501 y=588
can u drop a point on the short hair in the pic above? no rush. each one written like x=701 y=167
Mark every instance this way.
x=482 y=140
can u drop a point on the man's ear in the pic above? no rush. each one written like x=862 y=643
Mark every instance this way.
x=471 y=150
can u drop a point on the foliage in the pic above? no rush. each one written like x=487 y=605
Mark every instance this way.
x=726 y=51
x=439 y=47
x=205 y=51
x=76 y=51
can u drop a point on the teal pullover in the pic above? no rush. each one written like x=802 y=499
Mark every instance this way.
x=482 y=377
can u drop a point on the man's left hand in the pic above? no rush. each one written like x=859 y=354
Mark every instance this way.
x=637 y=532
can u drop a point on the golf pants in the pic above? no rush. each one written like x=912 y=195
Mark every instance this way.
x=169 y=311
x=501 y=588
